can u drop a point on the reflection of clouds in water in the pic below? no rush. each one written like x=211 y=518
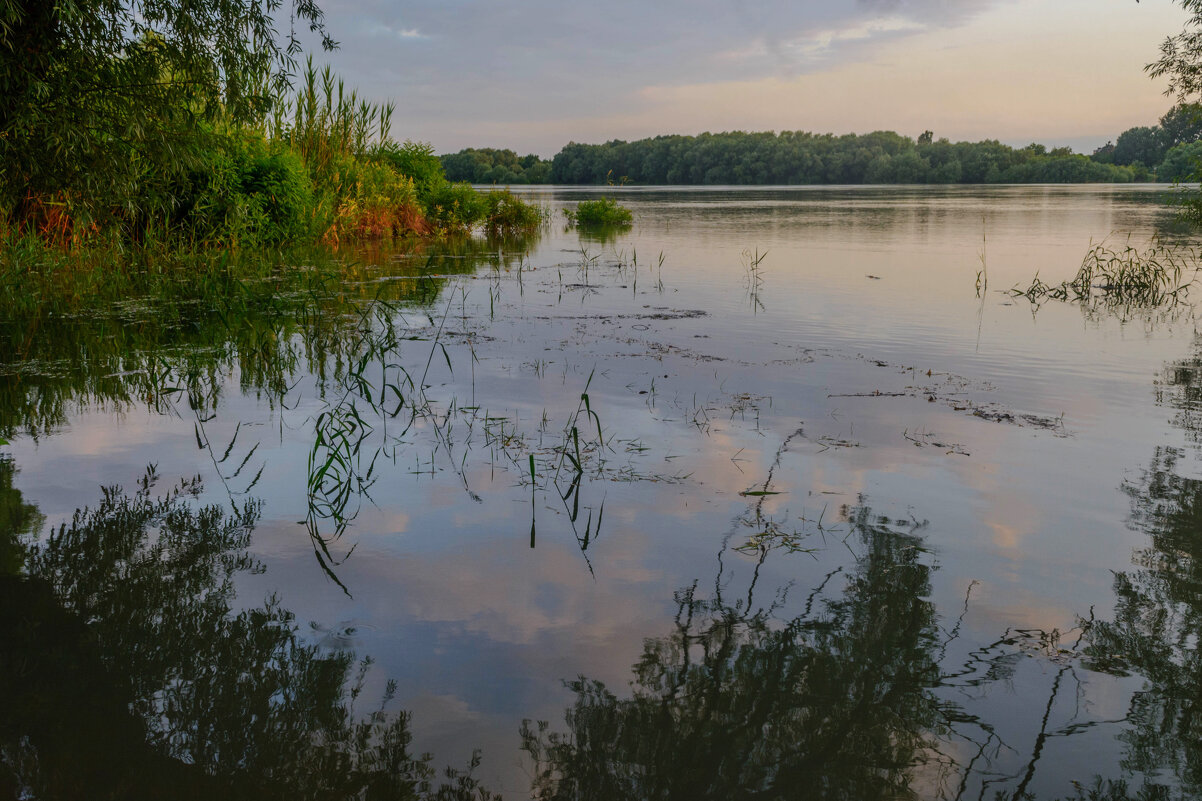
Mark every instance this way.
x=510 y=594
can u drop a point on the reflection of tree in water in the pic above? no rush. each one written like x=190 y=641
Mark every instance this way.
x=126 y=674
x=18 y=520
x=1157 y=627
x=741 y=701
x=1180 y=388
x=165 y=347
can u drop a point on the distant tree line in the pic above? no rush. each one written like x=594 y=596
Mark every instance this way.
x=1170 y=151
x=491 y=166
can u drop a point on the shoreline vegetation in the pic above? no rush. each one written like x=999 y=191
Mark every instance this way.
x=237 y=201
x=317 y=169
x=1168 y=152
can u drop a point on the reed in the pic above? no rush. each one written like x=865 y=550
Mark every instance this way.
x=1157 y=275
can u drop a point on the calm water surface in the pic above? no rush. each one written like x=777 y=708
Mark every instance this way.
x=833 y=525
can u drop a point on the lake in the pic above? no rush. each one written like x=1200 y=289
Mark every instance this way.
x=780 y=488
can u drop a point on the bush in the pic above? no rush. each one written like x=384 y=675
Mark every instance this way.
x=602 y=212
x=417 y=161
x=278 y=195
x=244 y=191
x=456 y=207
x=510 y=214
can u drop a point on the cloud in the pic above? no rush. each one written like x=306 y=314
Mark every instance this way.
x=380 y=29
x=525 y=61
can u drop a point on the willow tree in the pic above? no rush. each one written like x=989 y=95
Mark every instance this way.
x=1181 y=63
x=98 y=96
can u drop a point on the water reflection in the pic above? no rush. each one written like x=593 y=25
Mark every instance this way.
x=859 y=680
x=743 y=700
x=1157 y=625
x=157 y=350
x=127 y=673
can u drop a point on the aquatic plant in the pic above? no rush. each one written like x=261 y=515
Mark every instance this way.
x=507 y=213
x=1158 y=275
x=755 y=276
x=599 y=213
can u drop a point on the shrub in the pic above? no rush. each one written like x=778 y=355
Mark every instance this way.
x=510 y=214
x=601 y=212
x=417 y=161
x=456 y=207
x=366 y=199
x=278 y=193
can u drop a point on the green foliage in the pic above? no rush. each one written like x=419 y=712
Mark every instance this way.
x=507 y=213
x=243 y=191
x=1180 y=163
x=324 y=122
x=1073 y=169
x=492 y=166
x=599 y=213
x=456 y=207
x=1158 y=275
x=415 y=160
x=278 y=195
x=1181 y=56
x=1143 y=145
x=102 y=97
x=1182 y=124
x=795 y=157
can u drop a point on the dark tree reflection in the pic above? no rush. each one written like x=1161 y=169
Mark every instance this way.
x=18 y=520
x=743 y=701
x=126 y=672
x=1180 y=388
x=1157 y=625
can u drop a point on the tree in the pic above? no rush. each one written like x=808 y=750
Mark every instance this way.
x=1141 y=144
x=101 y=94
x=1104 y=154
x=1182 y=124
x=1181 y=56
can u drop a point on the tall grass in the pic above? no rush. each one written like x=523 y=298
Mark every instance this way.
x=1158 y=275
x=320 y=167
x=323 y=122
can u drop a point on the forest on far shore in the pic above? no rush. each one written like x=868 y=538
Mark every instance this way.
x=1167 y=152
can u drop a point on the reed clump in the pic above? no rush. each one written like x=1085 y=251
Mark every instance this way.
x=1158 y=275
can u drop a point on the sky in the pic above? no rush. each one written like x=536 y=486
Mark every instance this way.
x=532 y=75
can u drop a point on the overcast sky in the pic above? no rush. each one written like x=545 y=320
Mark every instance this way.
x=532 y=75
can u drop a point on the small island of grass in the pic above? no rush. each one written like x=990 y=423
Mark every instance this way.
x=604 y=212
